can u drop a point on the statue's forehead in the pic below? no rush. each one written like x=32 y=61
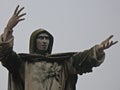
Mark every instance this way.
x=43 y=34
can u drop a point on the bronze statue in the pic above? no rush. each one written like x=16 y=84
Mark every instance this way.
x=41 y=70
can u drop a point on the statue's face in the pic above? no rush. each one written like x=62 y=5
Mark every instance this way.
x=42 y=41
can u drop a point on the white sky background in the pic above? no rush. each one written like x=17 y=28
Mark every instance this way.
x=76 y=25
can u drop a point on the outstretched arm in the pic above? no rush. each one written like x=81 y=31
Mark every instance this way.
x=8 y=57
x=84 y=61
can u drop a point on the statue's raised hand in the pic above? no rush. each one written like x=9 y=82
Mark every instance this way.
x=16 y=18
x=106 y=44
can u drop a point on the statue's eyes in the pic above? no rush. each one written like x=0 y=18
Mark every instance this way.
x=40 y=37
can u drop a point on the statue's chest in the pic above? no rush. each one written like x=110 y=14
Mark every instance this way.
x=43 y=70
x=43 y=75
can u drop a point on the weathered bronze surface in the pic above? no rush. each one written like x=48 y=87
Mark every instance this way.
x=41 y=70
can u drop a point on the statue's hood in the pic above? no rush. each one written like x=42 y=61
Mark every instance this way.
x=32 y=47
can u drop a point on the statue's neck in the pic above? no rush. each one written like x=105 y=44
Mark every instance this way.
x=42 y=52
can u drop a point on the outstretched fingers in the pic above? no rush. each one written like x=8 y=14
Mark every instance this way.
x=16 y=9
x=107 y=43
x=107 y=40
x=17 y=17
x=21 y=19
x=111 y=36
x=21 y=15
x=112 y=43
x=18 y=12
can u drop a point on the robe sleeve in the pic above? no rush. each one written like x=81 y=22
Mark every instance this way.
x=83 y=62
x=8 y=57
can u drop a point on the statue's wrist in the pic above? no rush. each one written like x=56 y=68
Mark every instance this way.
x=10 y=30
x=9 y=26
x=100 y=52
x=99 y=49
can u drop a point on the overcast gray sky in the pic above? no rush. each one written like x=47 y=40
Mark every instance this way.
x=76 y=25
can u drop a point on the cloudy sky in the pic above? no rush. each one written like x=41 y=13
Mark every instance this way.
x=76 y=25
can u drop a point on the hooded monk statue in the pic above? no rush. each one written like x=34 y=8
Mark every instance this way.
x=41 y=70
